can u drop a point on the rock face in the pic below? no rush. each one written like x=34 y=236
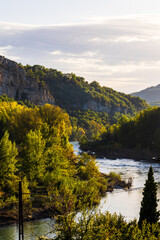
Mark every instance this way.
x=96 y=107
x=15 y=84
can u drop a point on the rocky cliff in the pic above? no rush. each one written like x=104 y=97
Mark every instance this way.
x=15 y=84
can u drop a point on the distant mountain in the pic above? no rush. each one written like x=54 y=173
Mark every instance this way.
x=151 y=95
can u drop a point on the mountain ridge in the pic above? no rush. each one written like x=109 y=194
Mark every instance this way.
x=150 y=94
x=72 y=92
x=90 y=106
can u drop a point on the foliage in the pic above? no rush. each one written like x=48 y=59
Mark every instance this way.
x=33 y=162
x=140 y=133
x=89 y=225
x=88 y=123
x=90 y=106
x=34 y=147
x=8 y=153
x=149 y=203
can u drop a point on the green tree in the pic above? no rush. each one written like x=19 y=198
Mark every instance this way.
x=156 y=142
x=33 y=162
x=149 y=204
x=8 y=153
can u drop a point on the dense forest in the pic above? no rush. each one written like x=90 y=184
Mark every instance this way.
x=91 y=107
x=137 y=137
x=35 y=149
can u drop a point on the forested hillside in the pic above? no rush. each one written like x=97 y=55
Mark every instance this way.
x=90 y=106
x=138 y=137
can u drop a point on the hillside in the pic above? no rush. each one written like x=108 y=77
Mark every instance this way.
x=72 y=92
x=151 y=95
x=90 y=106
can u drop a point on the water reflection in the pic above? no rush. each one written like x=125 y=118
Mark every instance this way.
x=32 y=230
x=9 y=232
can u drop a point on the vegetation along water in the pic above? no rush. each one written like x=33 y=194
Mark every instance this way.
x=35 y=148
x=120 y=201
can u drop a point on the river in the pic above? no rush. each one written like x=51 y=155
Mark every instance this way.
x=127 y=202
x=120 y=201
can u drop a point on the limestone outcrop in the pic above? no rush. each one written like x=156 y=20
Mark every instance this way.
x=15 y=84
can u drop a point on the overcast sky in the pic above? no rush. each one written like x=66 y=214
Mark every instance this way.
x=115 y=42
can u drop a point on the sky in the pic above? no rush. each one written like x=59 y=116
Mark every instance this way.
x=115 y=42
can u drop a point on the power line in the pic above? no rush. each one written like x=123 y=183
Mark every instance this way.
x=21 y=236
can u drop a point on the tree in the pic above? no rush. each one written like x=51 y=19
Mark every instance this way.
x=33 y=163
x=8 y=153
x=149 y=204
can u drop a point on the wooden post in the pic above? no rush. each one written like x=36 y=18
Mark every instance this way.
x=21 y=237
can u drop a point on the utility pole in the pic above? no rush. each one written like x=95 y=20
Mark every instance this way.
x=21 y=236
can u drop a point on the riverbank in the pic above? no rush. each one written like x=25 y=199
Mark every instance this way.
x=124 y=202
x=9 y=214
x=104 y=152
x=128 y=154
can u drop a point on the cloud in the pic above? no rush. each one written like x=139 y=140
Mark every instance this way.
x=57 y=53
x=122 y=53
x=4 y=49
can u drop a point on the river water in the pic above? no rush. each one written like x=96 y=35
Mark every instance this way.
x=120 y=201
